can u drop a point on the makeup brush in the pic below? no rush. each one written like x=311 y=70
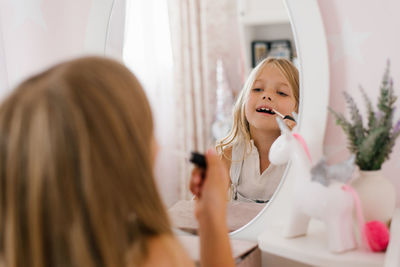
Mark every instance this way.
x=284 y=117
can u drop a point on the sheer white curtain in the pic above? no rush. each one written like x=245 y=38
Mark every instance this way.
x=147 y=52
x=172 y=71
x=191 y=83
x=204 y=31
x=147 y=49
x=173 y=46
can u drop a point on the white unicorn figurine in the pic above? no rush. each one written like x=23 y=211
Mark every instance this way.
x=311 y=199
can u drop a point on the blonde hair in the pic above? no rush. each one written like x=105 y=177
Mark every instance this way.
x=76 y=180
x=240 y=127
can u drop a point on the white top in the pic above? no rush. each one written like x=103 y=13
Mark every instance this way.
x=247 y=182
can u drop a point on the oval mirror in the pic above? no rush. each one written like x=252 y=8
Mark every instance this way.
x=193 y=61
x=312 y=51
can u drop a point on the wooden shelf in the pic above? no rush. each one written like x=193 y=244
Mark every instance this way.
x=312 y=249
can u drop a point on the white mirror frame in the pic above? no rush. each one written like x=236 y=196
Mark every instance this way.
x=105 y=28
x=309 y=35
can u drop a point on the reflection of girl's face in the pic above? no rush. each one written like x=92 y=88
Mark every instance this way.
x=271 y=90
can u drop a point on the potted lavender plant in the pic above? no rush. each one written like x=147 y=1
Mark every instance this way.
x=372 y=145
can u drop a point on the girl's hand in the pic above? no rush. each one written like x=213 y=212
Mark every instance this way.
x=210 y=211
x=210 y=187
x=196 y=181
x=291 y=124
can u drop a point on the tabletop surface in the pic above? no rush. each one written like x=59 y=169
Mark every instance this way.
x=313 y=249
x=238 y=215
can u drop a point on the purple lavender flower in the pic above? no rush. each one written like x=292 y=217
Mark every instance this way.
x=396 y=128
x=363 y=142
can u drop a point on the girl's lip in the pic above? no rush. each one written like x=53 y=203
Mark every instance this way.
x=270 y=111
x=264 y=106
x=265 y=114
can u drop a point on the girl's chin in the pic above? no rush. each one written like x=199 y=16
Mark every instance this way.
x=263 y=127
x=265 y=123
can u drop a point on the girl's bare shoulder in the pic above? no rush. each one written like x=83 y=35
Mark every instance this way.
x=167 y=251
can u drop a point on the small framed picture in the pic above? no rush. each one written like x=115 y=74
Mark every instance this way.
x=259 y=51
x=280 y=49
x=276 y=48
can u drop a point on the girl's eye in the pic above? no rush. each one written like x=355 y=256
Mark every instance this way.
x=257 y=89
x=282 y=93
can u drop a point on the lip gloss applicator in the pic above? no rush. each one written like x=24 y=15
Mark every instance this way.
x=198 y=159
x=195 y=157
x=282 y=116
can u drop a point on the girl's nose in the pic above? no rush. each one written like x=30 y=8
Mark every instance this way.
x=268 y=98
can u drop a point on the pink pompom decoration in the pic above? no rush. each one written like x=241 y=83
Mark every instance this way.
x=374 y=233
x=377 y=235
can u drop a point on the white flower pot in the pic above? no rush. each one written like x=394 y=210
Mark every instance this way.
x=377 y=195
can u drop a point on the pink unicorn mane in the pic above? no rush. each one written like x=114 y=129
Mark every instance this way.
x=303 y=143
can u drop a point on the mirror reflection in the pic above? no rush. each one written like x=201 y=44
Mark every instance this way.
x=272 y=88
x=218 y=75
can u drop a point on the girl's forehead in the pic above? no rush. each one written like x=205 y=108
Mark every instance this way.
x=269 y=72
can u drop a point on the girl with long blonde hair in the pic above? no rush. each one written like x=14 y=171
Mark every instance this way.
x=76 y=180
x=272 y=86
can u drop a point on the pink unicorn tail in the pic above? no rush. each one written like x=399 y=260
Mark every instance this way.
x=360 y=216
x=374 y=234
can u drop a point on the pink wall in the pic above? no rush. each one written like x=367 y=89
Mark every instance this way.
x=36 y=34
x=362 y=35
x=39 y=33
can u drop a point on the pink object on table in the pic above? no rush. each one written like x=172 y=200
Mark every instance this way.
x=375 y=234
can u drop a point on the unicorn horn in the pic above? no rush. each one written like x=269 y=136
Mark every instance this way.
x=282 y=126
x=295 y=116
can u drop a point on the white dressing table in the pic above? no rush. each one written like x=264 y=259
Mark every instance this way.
x=312 y=249
x=245 y=253
x=238 y=215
